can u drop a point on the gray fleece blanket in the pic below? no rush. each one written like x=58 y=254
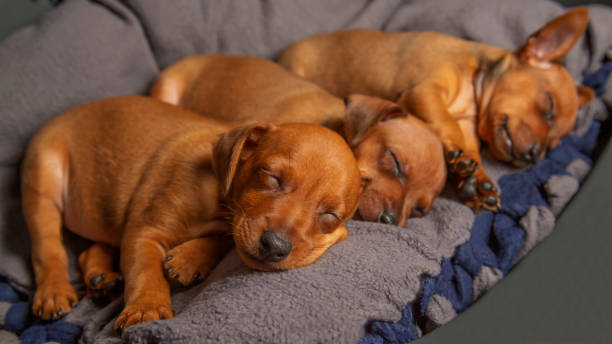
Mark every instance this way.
x=85 y=50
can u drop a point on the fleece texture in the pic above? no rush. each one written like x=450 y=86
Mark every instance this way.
x=383 y=283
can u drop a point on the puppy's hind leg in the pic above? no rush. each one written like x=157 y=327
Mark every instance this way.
x=98 y=267
x=42 y=184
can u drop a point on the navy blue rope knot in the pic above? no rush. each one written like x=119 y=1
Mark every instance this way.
x=18 y=319
x=495 y=239
x=16 y=312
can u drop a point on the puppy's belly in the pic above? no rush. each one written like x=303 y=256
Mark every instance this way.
x=91 y=224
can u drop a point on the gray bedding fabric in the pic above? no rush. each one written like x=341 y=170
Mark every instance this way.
x=85 y=50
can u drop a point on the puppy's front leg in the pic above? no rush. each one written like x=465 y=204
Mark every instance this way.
x=147 y=292
x=477 y=189
x=462 y=155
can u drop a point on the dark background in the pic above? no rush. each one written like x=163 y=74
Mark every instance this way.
x=560 y=292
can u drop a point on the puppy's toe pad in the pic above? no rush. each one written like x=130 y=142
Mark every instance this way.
x=52 y=301
x=138 y=313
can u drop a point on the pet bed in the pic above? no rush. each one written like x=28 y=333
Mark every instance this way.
x=382 y=284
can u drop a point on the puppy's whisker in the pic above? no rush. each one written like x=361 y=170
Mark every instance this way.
x=236 y=208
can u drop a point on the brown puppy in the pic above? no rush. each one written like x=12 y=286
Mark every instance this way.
x=397 y=152
x=135 y=173
x=520 y=103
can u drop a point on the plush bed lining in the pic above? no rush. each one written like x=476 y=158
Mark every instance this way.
x=383 y=283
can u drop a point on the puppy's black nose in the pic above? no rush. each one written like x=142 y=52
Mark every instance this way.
x=387 y=218
x=532 y=154
x=273 y=247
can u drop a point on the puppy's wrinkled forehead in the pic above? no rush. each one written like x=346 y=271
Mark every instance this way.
x=309 y=154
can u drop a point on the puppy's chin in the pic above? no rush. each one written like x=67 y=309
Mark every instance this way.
x=247 y=233
x=370 y=205
x=246 y=240
x=502 y=147
x=286 y=264
x=255 y=263
x=366 y=214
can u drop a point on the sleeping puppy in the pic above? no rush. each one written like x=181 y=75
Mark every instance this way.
x=520 y=103
x=135 y=173
x=397 y=152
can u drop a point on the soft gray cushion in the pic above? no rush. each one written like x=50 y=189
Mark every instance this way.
x=87 y=50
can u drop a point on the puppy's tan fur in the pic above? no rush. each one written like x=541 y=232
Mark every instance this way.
x=135 y=173
x=519 y=102
x=379 y=132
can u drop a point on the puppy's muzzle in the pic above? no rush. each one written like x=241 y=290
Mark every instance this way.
x=273 y=247
x=532 y=154
x=528 y=156
x=387 y=217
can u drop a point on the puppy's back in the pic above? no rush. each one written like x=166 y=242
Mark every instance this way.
x=243 y=88
x=90 y=159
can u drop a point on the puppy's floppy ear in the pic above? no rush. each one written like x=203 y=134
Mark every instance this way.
x=363 y=112
x=585 y=95
x=233 y=147
x=555 y=39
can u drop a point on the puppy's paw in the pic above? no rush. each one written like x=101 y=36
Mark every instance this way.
x=460 y=163
x=53 y=300
x=478 y=192
x=103 y=285
x=191 y=261
x=183 y=268
x=97 y=264
x=140 y=311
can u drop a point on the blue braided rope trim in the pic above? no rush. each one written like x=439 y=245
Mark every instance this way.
x=495 y=238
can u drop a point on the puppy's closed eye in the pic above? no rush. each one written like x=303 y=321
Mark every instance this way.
x=329 y=220
x=270 y=180
x=391 y=163
x=550 y=111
